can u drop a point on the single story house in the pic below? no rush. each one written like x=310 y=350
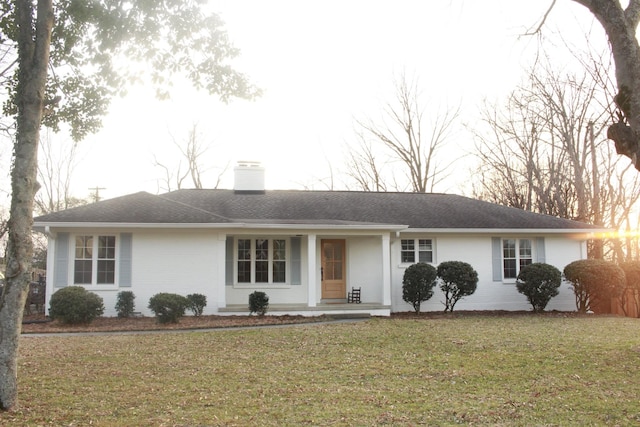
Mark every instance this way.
x=305 y=249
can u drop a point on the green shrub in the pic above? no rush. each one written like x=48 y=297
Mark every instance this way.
x=258 y=303
x=167 y=307
x=74 y=304
x=457 y=280
x=125 y=305
x=197 y=303
x=417 y=284
x=539 y=282
x=594 y=281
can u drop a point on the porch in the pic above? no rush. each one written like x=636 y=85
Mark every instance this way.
x=328 y=309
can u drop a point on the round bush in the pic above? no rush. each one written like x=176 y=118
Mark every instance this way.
x=539 y=282
x=258 y=303
x=167 y=307
x=594 y=282
x=74 y=305
x=125 y=304
x=457 y=280
x=197 y=303
x=417 y=284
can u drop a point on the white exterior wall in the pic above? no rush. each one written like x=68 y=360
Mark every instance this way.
x=193 y=261
x=489 y=295
x=364 y=267
x=181 y=262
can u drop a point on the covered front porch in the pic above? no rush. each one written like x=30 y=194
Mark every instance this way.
x=319 y=271
x=322 y=309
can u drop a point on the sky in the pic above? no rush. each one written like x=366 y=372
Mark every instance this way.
x=322 y=65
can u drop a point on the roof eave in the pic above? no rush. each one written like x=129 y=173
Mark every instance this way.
x=509 y=230
x=43 y=226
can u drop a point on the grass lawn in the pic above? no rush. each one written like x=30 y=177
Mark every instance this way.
x=481 y=370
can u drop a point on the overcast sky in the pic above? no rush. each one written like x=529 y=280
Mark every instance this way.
x=321 y=65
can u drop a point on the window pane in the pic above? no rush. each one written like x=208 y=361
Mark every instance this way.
x=244 y=249
x=425 y=256
x=262 y=249
x=82 y=272
x=279 y=250
x=106 y=272
x=84 y=247
x=244 y=271
x=425 y=250
x=509 y=248
x=510 y=269
x=262 y=271
x=525 y=248
x=424 y=245
x=407 y=253
x=106 y=247
x=279 y=275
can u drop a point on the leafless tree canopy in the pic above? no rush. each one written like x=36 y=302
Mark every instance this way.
x=55 y=171
x=546 y=152
x=401 y=151
x=192 y=152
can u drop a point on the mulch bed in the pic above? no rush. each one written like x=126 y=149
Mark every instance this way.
x=40 y=324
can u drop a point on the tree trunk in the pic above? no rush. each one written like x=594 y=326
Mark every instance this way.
x=33 y=58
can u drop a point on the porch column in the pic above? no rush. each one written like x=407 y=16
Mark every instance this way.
x=311 y=270
x=386 y=269
x=220 y=270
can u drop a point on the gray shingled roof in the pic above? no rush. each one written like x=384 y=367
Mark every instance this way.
x=430 y=211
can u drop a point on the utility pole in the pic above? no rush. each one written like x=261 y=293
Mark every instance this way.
x=96 y=193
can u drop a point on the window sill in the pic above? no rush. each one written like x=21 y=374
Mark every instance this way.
x=261 y=286
x=99 y=287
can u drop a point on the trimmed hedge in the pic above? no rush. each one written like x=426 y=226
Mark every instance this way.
x=167 y=307
x=258 y=303
x=75 y=305
x=539 y=282
x=417 y=284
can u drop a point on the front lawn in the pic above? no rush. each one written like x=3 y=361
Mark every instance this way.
x=481 y=370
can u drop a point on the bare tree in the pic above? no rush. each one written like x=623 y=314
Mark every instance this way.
x=402 y=140
x=55 y=171
x=191 y=152
x=546 y=152
x=620 y=25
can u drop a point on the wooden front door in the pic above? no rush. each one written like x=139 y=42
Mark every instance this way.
x=334 y=284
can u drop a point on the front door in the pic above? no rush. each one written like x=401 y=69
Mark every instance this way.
x=334 y=285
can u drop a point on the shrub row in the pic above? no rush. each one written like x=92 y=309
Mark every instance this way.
x=74 y=305
x=457 y=279
x=593 y=282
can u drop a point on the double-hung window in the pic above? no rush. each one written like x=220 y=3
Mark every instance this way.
x=94 y=260
x=261 y=261
x=416 y=250
x=516 y=253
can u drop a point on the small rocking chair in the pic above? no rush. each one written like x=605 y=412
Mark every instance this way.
x=354 y=296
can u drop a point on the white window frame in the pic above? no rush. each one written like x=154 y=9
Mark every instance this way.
x=253 y=258
x=520 y=256
x=417 y=251
x=95 y=260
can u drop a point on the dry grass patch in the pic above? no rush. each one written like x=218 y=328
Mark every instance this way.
x=520 y=370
